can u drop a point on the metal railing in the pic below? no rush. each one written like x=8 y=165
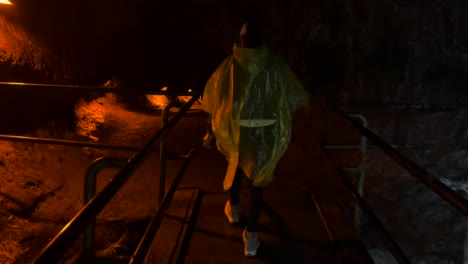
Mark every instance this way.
x=81 y=88
x=89 y=89
x=62 y=142
x=88 y=250
x=394 y=106
x=421 y=174
x=381 y=231
x=418 y=172
x=62 y=241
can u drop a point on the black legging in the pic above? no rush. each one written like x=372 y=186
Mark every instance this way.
x=255 y=201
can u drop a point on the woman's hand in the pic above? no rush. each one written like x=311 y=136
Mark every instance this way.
x=208 y=139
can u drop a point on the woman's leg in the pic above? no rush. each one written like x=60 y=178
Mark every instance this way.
x=231 y=209
x=235 y=190
x=255 y=205
x=249 y=236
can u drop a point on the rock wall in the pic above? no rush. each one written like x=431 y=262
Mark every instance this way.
x=383 y=50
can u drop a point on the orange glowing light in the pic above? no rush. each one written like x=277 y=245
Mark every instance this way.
x=6 y=2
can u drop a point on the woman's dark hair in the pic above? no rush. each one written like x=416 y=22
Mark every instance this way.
x=253 y=38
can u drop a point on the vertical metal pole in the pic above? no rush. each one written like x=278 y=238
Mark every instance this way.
x=361 y=180
x=88 y=250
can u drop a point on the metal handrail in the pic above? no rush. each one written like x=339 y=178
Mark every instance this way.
x=63 y=142
x=328 y=229
x=421 y=174
x=62 y=241
x=62 y=87
x=429 y=107
x=384 y=235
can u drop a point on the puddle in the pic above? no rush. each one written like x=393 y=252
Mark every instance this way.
x=106 y=113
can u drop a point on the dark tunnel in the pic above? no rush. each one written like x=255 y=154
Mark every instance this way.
x=400 y=67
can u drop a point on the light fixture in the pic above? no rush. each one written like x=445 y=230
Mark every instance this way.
x=6 y=2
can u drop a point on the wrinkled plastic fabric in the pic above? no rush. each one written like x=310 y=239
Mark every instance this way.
x=254 y=88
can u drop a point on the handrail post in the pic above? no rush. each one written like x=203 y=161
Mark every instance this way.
x=88 y=250
x=362 y=176
x=163 y=149
x=362 y=169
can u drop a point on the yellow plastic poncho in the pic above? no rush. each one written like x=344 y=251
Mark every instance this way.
x=251 y=98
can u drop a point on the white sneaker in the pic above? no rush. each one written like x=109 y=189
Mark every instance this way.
x=232 y=212
x=251 y=243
